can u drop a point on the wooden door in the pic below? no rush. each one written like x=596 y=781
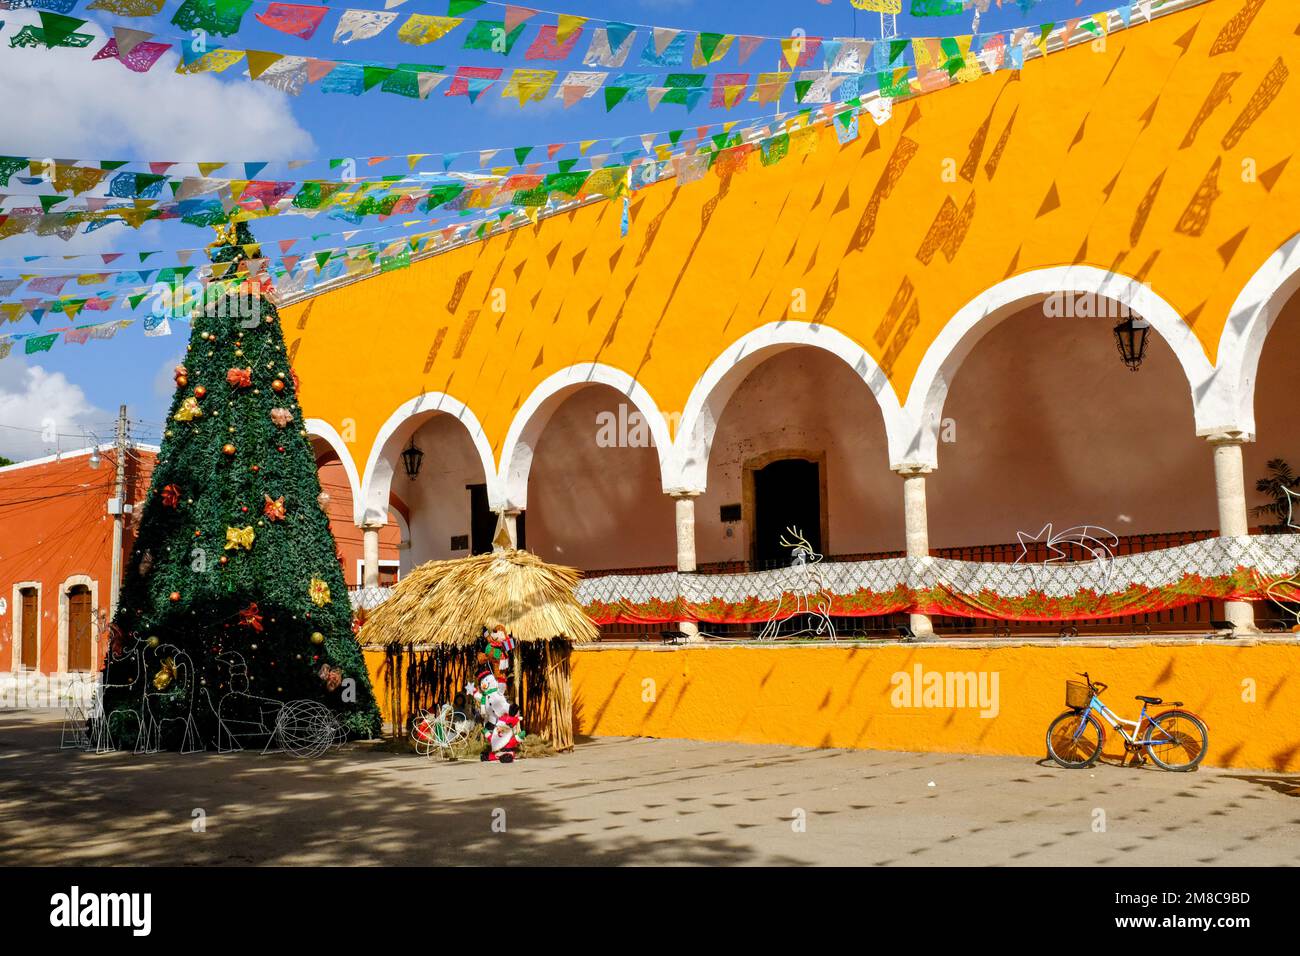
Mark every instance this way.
x=27 y=629
x=79 y=628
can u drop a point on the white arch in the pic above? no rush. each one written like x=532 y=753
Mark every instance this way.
x=1249 y=322
x=319 y=428
x=720 y=380
x=396 y=432
x=924 y=407
x=531 y=419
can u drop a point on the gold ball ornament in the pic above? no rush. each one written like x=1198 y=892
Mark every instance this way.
x=228 y=449
x=278 y=385
x=317 y=637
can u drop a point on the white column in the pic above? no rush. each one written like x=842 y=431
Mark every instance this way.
x=370 y=556
x=685 y=508
x=917 y=528
x=1230 y=491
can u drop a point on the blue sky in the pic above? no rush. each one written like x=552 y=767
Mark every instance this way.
x=98 y=110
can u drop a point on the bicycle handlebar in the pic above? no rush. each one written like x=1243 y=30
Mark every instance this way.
x=1096 y=687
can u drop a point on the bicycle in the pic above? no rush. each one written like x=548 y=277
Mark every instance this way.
x=1174 y=739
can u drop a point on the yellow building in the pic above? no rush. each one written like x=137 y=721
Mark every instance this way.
x=904 y=345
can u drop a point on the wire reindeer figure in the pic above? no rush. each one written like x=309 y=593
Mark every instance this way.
x=812 y=599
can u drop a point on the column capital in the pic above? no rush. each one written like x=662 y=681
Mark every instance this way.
x=1226 y=436
x=678 y=494
x=911 y=469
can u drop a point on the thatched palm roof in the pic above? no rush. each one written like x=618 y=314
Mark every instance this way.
x=449 y=603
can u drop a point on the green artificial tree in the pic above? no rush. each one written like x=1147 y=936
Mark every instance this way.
x=234 y=562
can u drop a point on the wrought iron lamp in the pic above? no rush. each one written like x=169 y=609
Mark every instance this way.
x=1131 y=340
x=411 y=459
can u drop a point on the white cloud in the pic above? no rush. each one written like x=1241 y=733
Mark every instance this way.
x=42 y=412
x=75 y=107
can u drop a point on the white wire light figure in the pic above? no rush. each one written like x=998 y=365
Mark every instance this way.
x=306 y=728
x=811 y=596
x=239 y=713
x=127 y=660
x=1086 y=540
x=176 y=670
x=75 y=735
x=1282 y=599
x=440 y=731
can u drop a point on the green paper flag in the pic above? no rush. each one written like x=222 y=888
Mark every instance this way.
x=613 y=96
x=39 y=343
x=490 y=35
x=521 y=153
x=708 y=43
x=57 y=28
x=456 y=7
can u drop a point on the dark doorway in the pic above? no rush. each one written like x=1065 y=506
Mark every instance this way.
x=80 y=621
x=483 y=522
x=27 y=634
x=787 y=494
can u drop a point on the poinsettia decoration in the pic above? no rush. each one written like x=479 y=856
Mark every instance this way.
x=281 y=417
x=171 y=496
x=240 y=377
x=273 y=508
x=251 y=617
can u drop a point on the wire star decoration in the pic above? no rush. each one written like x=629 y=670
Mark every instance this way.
x=1095 y=542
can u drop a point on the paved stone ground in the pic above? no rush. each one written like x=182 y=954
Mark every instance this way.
x=626 y=801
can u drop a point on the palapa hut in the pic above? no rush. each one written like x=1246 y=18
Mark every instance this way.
x=432 y=626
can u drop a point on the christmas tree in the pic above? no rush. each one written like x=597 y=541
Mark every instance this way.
x=234 y=585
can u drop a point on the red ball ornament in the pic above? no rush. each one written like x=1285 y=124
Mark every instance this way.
x=228 y=450
x=254 y=468
x=280 y=449
x=244 y=509
x=182 y=381
x=278 y=385
x=200 y=391
x=175 y=596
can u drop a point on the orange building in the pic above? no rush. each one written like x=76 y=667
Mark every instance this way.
x=56 y=560
x=56 y=564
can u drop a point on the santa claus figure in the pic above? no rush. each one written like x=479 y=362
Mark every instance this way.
x=503 y=742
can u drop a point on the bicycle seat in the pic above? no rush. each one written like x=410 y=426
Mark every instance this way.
x=1149 y=700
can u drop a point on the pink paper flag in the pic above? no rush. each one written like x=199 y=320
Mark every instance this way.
x=295 y=19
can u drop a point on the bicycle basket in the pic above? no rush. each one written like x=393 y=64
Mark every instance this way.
x=1077 y=695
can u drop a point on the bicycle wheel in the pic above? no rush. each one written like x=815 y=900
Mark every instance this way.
x=1177 y=740
x=1074 y=740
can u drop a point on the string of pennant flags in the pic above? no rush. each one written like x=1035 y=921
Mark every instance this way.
x=295 y=273
x=210 y=201
x=140 y=192
x=556 y=39
x=499 y=202
x=843 y=61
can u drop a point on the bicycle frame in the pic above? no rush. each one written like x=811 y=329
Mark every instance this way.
x=1095 y=705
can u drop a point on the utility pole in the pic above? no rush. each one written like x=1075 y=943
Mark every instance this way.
x=116 y=507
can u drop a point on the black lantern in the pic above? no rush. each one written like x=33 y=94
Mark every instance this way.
x=1131 y=339
x=411 y=459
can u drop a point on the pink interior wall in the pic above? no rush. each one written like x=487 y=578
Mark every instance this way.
x=1050 y=426
x=437 y=498
x=805 y=399
x=594 y=507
